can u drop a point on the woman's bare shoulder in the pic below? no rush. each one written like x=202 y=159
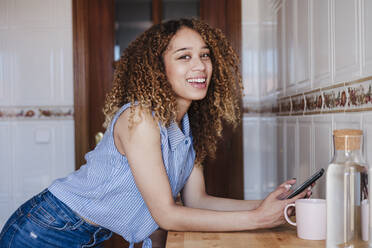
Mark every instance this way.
x=135 y=121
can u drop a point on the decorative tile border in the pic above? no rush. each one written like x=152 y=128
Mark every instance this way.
x=36 y=112
x=298 y=104
x=285 y=106
x=314 y=102
x=267 y=108
x=344 y=97
x=335 y=99
x=359 y=95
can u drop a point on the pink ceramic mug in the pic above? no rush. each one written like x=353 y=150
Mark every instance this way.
x=311 y=218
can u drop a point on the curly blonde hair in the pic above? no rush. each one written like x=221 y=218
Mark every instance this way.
x=140 y=78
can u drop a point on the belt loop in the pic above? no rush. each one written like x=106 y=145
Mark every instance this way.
x=77 y=224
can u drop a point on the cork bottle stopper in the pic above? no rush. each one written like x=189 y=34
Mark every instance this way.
x=347 y=139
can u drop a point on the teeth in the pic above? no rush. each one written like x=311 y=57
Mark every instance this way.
x=196 y=80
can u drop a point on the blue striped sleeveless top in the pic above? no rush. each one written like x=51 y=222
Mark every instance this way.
x=104 y=191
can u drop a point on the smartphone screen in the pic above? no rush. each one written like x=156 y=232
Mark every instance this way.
x=307 y=183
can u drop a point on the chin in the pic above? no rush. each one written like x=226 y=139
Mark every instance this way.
x=198 y=98
x=193 y=96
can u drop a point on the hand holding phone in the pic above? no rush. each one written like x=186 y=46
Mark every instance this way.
x=306 y=184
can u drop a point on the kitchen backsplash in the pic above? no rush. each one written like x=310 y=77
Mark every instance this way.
x=307 y=70
x=352 y=96
x=343 y=97
x=36 y=112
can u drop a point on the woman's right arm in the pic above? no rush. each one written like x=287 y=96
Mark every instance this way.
x=141 y=145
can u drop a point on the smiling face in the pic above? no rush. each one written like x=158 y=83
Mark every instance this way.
x=188 y=66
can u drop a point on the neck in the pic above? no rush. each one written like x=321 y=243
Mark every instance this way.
x=182 y=108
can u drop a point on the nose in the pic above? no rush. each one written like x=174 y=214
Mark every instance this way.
x=198 y=64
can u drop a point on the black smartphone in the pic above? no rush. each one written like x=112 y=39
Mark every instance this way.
x=307 y=183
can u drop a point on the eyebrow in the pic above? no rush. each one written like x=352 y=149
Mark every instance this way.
x=188 y=48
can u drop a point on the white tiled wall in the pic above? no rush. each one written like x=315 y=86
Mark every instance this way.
x=319 y=43
x=314 y=147
x=253 y=183
x=281 y=150
x=305 y=147
x=35 y=71
x=268 y=132
x=345 y=34
x=366 y=35
x=260 y=163
x=367 y=129
x=322 y=148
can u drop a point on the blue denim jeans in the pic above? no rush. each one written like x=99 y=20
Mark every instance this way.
x=44 y=221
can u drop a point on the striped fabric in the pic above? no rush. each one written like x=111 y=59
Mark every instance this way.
x=104 y=191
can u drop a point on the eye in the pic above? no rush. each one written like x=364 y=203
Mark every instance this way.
x=184 y=57
x=205 y=56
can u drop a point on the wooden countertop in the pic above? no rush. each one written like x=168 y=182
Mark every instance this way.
x=284 y=236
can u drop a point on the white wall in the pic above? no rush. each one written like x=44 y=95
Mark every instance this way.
x=260 y=167
x=259 y=71
x=331 y=51
x=324 y=48
x=36 y=98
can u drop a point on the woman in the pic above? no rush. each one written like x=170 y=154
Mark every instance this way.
x=173 y=87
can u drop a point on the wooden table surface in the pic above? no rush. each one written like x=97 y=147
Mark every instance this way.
x=284 y=236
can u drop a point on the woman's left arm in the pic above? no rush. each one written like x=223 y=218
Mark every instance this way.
x=194 y=195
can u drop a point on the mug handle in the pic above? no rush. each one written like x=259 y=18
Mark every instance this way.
x=286 y=216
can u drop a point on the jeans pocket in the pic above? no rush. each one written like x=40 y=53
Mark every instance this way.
x=46 y=217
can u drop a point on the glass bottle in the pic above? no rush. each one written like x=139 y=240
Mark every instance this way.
x=347 y=192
